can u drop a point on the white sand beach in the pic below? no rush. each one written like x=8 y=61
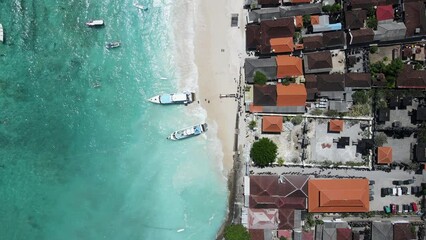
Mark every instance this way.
x=219 y=53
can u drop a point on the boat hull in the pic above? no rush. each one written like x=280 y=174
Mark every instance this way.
x=174 y=98
x=188 y=132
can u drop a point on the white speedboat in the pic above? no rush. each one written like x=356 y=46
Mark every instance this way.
x=95 y=23
x=1 y=33
x=174 y=98
x=139 y=6
x=110 y=45
x=188 y=132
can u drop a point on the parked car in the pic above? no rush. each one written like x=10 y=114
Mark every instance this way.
x=372 y=182
x=404 y=190
x=387 y=209
x=371 y=198
x=410 y=208
x=414 y=206
x=399 y=191
x=408 y=181
x=398 y=209
x=413 y=190
x=394 y=191
x=405 y=208
x=393 y=208
x=397 y=182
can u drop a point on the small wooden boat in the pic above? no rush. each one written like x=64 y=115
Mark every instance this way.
x=110 y=45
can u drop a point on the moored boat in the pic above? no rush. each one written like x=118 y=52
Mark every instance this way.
x=139 y=6
x=1 y=33
x=188 y=132
x=174 y=98
x=110 y=45
x=95 y=23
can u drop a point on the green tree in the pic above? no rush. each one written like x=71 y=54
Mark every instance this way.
x=283 y=238
x=335 y=8
x=374 y=49
x=326 y=8
x=380 y=139
x=236 y=232
x=263 y=152
x=360 y=97
x=418 y=66
x=306 y=20
x=372 y=22
x=260 y=78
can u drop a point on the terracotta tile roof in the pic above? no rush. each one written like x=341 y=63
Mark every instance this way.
x=414 y=17
x=272 y=124
x=255 y=109
x=257 y=234
x=277 y=202
x=264 y=185
x=282 y=27
x=338 y=195
x=319 y=60
x=344 y=234
x=335 y=125
x=309 y=235
x=410 y=78
x=265 y=95
x=252 y=36
x=281 y=45
x=333 y=39
x=286 y=217
x=330 y=82
x=355 y=19
x=289 y=66
x=358 y=80
x=313 y=42
x=384 y=12
x=314 y=19
x=363 y=35
x=298 y=21
x=291 y=95
x=263 y=218
x=402 y=231
x=384 y=155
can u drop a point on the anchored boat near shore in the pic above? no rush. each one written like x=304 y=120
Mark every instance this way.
x=174 y=98
x=1 y=33
x=188 y=132
x=95 y=23
x=110 y=45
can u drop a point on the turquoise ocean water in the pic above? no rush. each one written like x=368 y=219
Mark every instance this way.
x=85 y=162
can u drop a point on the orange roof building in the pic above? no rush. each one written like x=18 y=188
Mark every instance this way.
x=384 y=155
x=298 y=21
x=338 y=195
x=315 y=19
x=272 y=124
x=335 y=126
x=291 y=95
x=282 y=45
x=289 y=66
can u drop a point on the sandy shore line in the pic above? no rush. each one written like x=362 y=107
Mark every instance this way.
x=218 y=54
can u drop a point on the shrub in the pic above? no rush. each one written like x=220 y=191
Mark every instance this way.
x=263 y=152
x=252 y=124
x=236 y=232
x=331 y=113
x=374 y=49
x=360 y=97
x=260 y=78
x=306 y=20
x=316 y=112
x=296 y=120
x=280 y=161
